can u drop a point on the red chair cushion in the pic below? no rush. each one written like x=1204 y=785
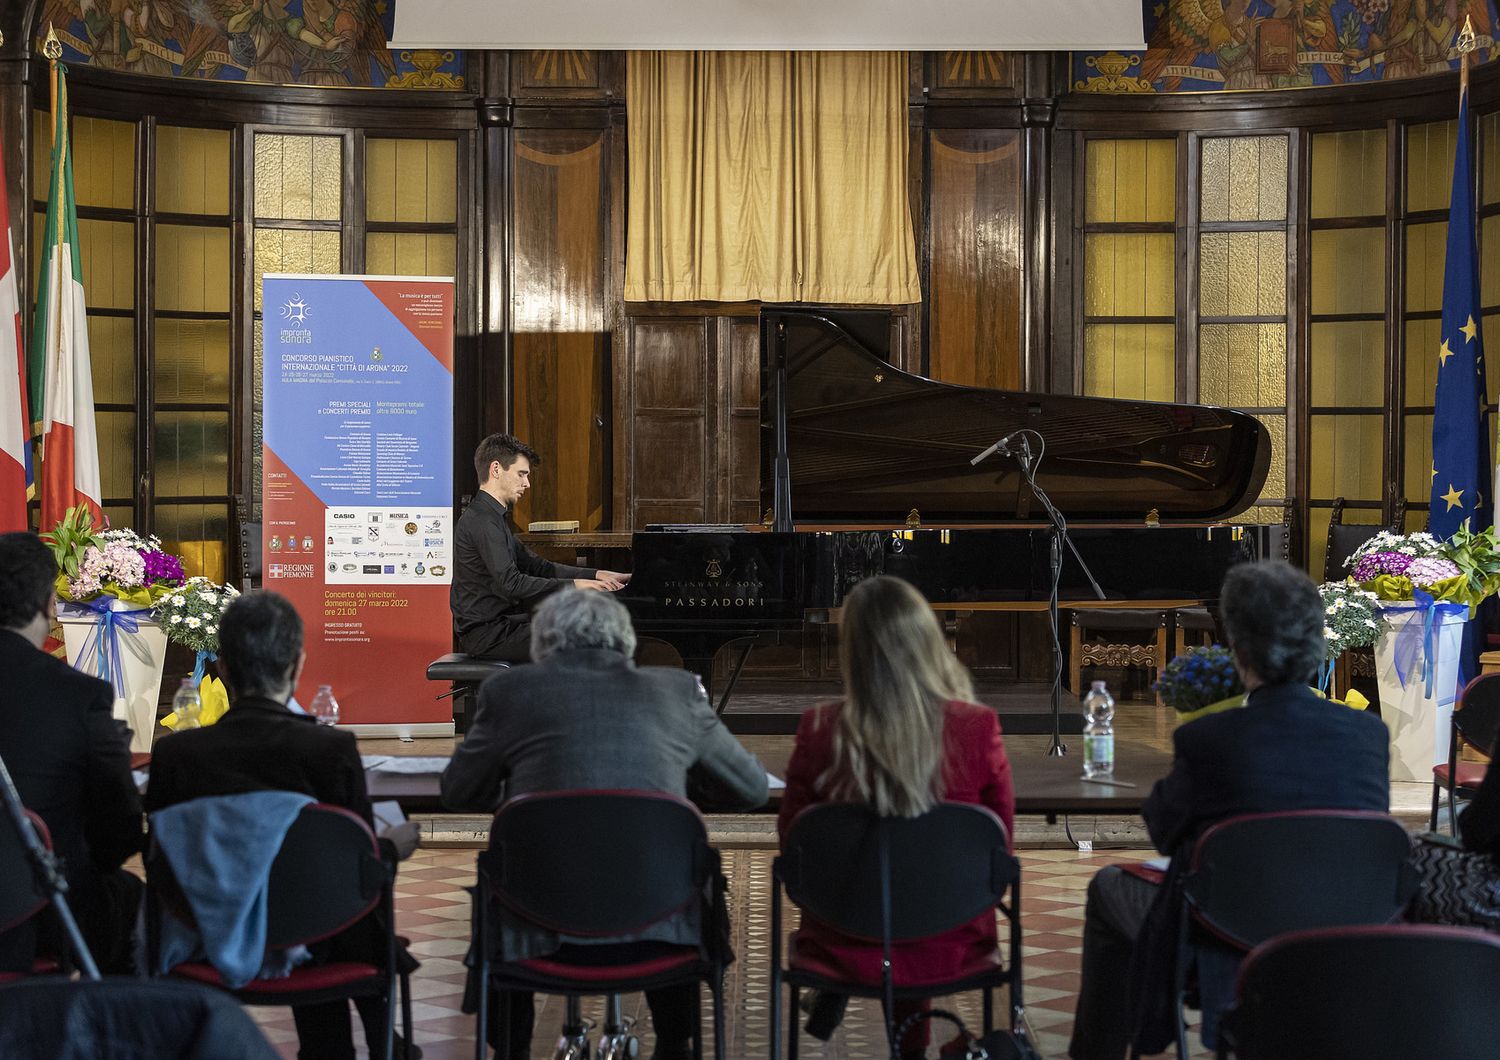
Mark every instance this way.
x=1470 y=774
x=582 y=973
x=813 y=964
x=317 y=977
x=40 y=966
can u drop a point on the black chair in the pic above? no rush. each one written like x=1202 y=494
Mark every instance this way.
x=466 y=674
x=894 y=880
x=44 y=1019
x=1115 y=649
x=327 y=876
x=1344 y=538
x=20 y=897
x=1254 y=877
x=1377 y=993
x=1476 y=722
x=602 y=865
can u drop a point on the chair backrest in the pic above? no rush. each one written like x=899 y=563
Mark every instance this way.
x=327 y=875
x=20 y=898
x=250 y=554
x=947 y=867
x=1343 y=539
x=1378 y=993
x=1477 y=716
x=597 y=863
x=1261 y=875
x=47 y=1018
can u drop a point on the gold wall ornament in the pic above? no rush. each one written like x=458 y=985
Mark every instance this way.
x=1112 y=67
x=427 y=74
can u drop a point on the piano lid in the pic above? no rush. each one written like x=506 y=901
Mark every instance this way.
x=868 y=442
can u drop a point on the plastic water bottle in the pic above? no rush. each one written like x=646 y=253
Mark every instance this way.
x=324 y=707
x=188 y=705
x=1099 y=733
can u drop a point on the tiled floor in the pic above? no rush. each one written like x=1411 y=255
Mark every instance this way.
x=432 y=910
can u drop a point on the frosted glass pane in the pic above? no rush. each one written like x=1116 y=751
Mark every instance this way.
x=1348 y=173
x=192 y=453
x=1242 y=274
x=1429 y=165
x=1348 y=363
x=1346 y=456
x=1348 y=271
x=1129 y=361
x=199 y=533
x=107 y=250
x=1128 y=274
x=192 y=269
x=112 y=359
x=1130 y=180
x=294 y=250
x=103 y=162
x=192 y=170
x=1426 y=251
x=192 y=360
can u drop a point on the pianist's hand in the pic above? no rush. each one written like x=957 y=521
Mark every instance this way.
x=592 y=583
x=613 y=579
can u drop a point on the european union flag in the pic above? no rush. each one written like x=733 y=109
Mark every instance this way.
x=1461 y=470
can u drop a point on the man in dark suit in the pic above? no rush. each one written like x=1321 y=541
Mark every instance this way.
x=496 y=579
x=260 y=745
x=585 y=716
x=1286 y=749
x=70 y=760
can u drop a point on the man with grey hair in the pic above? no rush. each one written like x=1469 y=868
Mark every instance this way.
x=1286 y=749
x=586 y=717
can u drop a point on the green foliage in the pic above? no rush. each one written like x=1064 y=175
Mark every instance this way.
x=69 y=538
x=1478 y=557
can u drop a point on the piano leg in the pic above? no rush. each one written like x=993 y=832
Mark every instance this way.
x=703 y=666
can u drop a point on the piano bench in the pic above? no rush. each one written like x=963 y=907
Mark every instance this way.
x=466 y=674
x=1195 y=622
x=1114 y=650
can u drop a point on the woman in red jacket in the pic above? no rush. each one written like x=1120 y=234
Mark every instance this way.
x=906 y=736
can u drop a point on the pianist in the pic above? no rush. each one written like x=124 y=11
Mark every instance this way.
x=496 y=579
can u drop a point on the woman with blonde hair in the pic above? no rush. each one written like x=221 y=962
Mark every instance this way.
x=906 y=736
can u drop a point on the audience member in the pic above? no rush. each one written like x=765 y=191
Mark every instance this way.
x=906 y=736
x=1460 y=884
x=586 y=717
x=70 y=760
x=1287 y=749
x=260 y=745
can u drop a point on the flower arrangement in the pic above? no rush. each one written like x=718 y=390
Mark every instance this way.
x=1463 y=569
x=1202 y=677
x=191 y=614
x=1351 y=617
x=120 y=563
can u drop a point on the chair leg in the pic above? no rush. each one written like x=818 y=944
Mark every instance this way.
x=1161 y=657
x=1437 y=791
x=697 y=1025
x=391 y=986
x=1452 y=805
x=792 y=1023
x=1076 y=660
x=406 y=1005
x=720 y=1045
x=989 y=1010
x=775 y=1009
x=482 y=1018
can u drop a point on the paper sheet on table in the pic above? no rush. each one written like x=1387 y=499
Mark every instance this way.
x=404 y=763
x=774 y=782
x=387 y=814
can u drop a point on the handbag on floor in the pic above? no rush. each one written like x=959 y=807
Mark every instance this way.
x=996 y=1045
x=1455 y=886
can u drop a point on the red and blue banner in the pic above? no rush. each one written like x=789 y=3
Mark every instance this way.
x=357 y=494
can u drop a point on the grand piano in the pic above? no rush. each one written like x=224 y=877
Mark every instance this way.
x=866 y=469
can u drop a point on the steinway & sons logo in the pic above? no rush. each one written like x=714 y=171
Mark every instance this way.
x=715 y=593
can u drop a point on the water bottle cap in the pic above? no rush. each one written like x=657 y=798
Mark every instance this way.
x=325 y=688
x=187 y=682
x=1097 y=686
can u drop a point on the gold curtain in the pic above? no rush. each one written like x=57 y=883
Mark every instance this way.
x=769 y=176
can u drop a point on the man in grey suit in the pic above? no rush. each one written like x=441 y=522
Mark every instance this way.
x=586 y=717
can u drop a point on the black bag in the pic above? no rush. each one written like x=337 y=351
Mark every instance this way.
x=1454 y=886
x=996 y=1045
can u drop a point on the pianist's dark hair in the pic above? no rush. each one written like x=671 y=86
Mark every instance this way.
x=260 y=639
x=27 y=574
x=1273 y=617
x=504 y=448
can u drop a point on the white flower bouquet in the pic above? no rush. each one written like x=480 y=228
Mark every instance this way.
x=191 y=613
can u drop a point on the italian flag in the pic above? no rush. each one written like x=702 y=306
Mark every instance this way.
x=61 y=382
x=15 y=423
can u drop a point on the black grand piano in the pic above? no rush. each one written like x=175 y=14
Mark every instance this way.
x=866 y=469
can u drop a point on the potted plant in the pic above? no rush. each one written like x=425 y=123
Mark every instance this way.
x=1201 y=681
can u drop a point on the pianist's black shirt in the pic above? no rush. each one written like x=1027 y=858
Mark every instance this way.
x=496 y=578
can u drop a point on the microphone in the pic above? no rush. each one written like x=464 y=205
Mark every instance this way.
x=1002 y=447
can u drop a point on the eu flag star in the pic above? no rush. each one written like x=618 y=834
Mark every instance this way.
x=1444 y=353
x=1469 y=329
x=1454 y=497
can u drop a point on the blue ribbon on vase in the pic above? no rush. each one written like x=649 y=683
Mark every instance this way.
x=198 y=663
x=1421 y=637
x=101 y=649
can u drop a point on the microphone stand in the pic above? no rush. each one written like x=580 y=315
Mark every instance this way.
x=47 y=868
x=1057 y=536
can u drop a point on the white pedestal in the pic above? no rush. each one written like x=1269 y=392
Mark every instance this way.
x=1418 y=724
x=143 y=655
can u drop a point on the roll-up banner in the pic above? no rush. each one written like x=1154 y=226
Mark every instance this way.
x=357 y=487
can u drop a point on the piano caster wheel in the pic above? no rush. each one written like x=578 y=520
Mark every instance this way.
x=622 y=1046
x=573 y=1042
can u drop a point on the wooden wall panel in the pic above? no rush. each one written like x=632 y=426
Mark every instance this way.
x=739 y=456
x=975 y=250
x=560 y=346
x=668 y=416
